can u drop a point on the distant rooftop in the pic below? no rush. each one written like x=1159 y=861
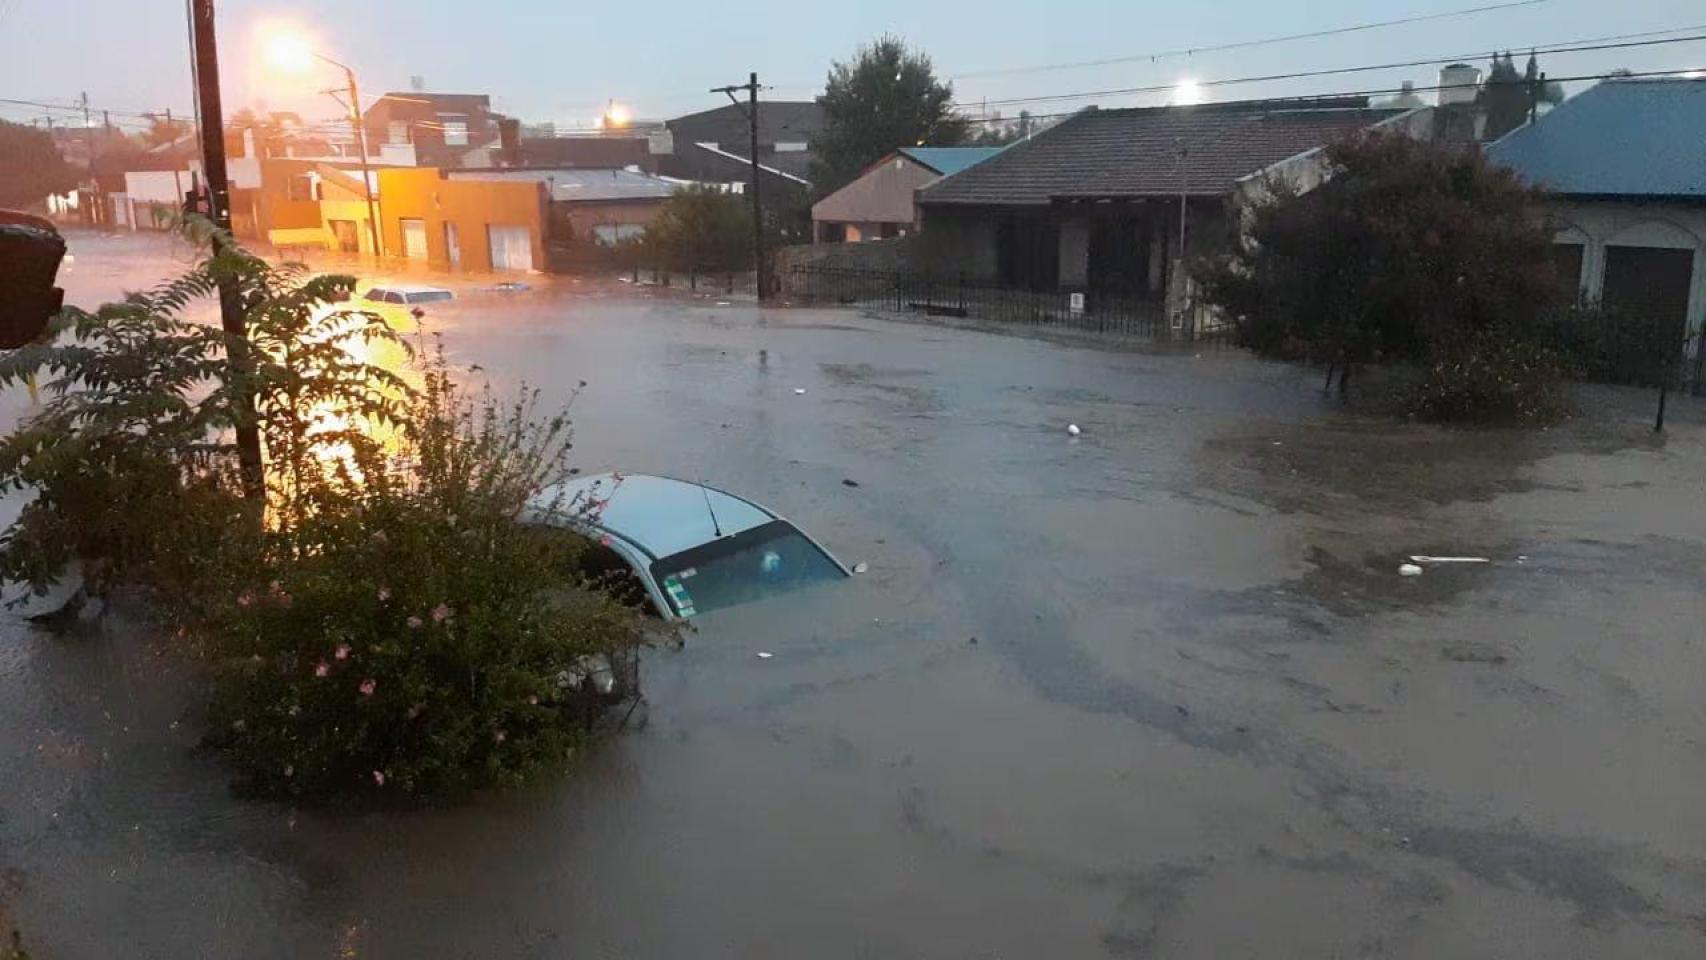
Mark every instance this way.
x=1621 y=138
x=948 y=161
x=568 y=186
x=1152 y=151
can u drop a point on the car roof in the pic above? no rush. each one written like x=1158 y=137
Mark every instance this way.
x=408 y=288
x=660 y=515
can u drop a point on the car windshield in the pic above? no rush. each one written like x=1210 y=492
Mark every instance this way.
x=766 y=560
x=376 y=295
x=429 y=296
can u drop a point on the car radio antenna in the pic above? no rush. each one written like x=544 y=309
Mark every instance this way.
x=705 y=492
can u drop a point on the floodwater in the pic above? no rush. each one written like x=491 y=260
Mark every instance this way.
x=1157 y=691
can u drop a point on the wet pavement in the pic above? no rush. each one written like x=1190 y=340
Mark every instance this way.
x=1157 y=691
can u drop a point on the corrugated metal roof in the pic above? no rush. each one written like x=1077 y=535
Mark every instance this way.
x=1152 y=151
x=948 y=161
x=1617 y=138
x=568 y=186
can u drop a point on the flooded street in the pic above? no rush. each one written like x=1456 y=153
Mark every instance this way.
x=1153 y=691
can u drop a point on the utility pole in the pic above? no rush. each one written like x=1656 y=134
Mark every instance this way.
x=367 y=179
x=760 y=273
x=93 y=213
x=206 y=54
x=177 y=183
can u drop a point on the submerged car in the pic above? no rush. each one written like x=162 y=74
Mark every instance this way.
x=407 y=293
x=690 y=548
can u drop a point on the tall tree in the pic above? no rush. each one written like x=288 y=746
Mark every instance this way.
x=31 y=166
x=1410 y=249
x=1506 y=96
x=888 y=96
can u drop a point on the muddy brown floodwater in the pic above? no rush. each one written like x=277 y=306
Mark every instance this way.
x=1157 y=691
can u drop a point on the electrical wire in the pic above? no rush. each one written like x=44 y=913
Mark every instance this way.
x=1332 y=71
x=1247 y=44
x=1302 y=101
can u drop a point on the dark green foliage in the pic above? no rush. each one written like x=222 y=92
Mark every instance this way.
x=390 y=546
x=888 y=97
x=702 y=229
x=31 y=167
x=1409 y=254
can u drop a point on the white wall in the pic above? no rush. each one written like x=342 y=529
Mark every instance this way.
x=1596 y=225
x=158 y=186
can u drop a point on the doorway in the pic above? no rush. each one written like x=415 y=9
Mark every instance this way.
x=452 y=245
x=344 y=236
x=414 y=238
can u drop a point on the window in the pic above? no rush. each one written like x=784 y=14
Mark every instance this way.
x=300 y=187
x=455 y=133
x=748 y=566
x=611 y=234
x=397 y=131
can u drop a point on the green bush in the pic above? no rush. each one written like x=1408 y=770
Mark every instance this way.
x=1492 y=376
x=411 y=637
x=381 y=623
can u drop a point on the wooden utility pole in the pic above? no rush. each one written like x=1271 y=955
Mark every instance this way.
x=759 y=267
x=219 y=210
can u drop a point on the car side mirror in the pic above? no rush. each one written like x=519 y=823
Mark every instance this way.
x=30 y=253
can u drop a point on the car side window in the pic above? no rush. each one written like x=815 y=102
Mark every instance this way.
x=375 y=295
x=394 y=297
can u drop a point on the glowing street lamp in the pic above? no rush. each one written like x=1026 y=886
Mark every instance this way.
x=290 y=52
x=616 y=116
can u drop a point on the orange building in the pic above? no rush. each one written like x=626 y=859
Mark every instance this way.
x=475 y=226
x=472 y=225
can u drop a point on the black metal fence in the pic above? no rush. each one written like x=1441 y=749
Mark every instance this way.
x=1630 y=348
x=961 y=297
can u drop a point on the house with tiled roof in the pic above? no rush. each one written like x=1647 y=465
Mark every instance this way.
x=879 y=203
x=1096 y=204
x=1625 y=162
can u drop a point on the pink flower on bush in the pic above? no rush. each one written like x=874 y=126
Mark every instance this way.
x=499 y=737
x=245 y=598
x=442 y=613
x=322 y=668
x=414 y=623
x=384 y=594
x=533 y=700
x=368 y=686
x=289 y=771
x=379 y=778
x=342 y=652
x=380 y=538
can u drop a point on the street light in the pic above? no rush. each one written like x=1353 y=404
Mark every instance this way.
x=292 y=53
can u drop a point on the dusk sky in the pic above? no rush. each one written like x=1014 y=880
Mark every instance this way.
x=560 y=61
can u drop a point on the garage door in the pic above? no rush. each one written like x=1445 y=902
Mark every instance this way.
x=512 y=247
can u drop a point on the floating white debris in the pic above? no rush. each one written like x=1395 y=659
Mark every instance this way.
x=799 y=391
x=1072 y=428
x=1409 y=570
x=861 y=567
x=1449 y=560
x=765 y=655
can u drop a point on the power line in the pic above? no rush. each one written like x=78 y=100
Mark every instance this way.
x=1246 y=44
x=1301 y=101
x=1334 y=71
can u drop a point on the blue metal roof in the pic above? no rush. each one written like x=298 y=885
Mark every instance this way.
x=1627 y=138
x=948 y=161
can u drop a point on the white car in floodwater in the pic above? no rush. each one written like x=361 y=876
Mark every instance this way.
x=692 y=548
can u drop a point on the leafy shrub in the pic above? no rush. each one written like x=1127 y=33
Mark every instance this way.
x=381 y=622
x=1492 y=376
x=411 y=636
x=1608 y=345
